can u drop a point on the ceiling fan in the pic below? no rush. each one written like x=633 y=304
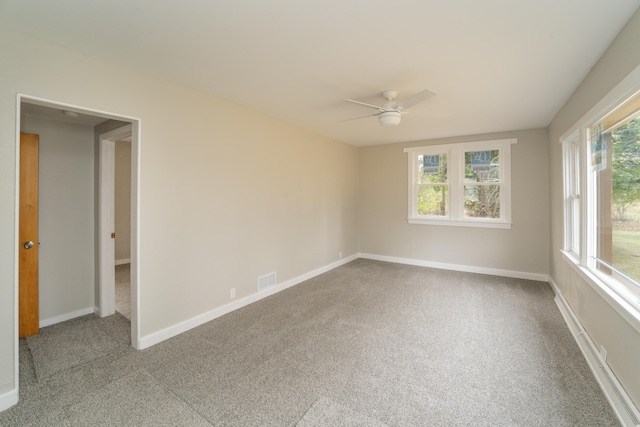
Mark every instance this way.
x=389 y=114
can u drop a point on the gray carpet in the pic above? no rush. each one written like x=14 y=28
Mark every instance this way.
x=64 y=345
x=123 y=289
x=369 y=343
x=326 y=412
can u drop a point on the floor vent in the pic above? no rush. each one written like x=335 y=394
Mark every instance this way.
x=266 y=281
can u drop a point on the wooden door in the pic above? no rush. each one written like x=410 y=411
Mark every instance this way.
x=28 y=237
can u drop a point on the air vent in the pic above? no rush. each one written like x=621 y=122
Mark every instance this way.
x=266 y=281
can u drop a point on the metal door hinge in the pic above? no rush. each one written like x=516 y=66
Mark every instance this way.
x=113 y=235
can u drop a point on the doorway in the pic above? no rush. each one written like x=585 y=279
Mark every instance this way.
x=53 y=107
x=108 y=206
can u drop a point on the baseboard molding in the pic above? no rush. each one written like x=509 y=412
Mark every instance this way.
x=459 y=267
x=172 y=331
x=619 y=400
x=123 y=261
x=67 y=316
x=8 y=399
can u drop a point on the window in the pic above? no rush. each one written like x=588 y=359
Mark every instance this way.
x=615 y=185
x=572 y=153
x=602 y=233
x=466 y=184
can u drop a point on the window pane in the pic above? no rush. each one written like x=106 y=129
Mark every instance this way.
x=432 y=200
x=575 y=225
x=482 y=166
x=616 y=166
x=482 y=201
x=432 y=168
x=574 y=176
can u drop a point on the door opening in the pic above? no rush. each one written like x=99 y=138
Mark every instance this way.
x=133 y=129
x=106 y=207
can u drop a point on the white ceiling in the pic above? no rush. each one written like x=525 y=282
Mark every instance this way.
x=497 y=65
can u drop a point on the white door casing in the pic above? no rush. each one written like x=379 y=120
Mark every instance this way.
x=106 y=218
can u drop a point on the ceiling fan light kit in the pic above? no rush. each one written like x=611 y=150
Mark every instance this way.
x=389 y=118
x=390 y=112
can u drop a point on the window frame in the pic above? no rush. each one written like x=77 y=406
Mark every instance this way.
x=456 y=183
x=574 y=180
x=618 y=294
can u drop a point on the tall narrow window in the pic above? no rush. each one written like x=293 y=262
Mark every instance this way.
x=433 y=188
x=572 y=158
x=482 y=184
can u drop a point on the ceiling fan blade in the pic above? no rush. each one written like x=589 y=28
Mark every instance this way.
x=366 y=105
x=416 y=99
x=361 y=117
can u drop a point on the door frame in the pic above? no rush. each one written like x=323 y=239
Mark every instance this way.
x=106 y=218
x=135 y=211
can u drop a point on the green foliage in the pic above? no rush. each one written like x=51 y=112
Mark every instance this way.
x=626 y=167
x=481 y=199
x=626 y=250
x=432 y=198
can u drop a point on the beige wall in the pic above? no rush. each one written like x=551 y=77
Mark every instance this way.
x=226 y=194
x=65 y=220
x=383 y=227
x=122 y=198
x=603 y=324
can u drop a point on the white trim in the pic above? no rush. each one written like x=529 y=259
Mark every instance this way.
x=618 y=398
x=172 y=331
x=458 y=267
x=481 y=223
x=106 y=245
x=106 y=218
x=619 y=303
x=463 y=145
x=135 y=238
x=16 y=264
x=67 y=316
x=123 y=261
x=623 y=90
x=8 y=399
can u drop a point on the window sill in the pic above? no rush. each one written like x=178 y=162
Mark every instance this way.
x=622 y=301
x=447 y=222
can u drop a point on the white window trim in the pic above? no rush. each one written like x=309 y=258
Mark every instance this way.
x=618 y=297
x=577 y=138
x=455 y=153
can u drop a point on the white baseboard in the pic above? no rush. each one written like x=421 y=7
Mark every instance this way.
x=618 y=398
x=172 y=331
x=459 y=267
x=123 y=261
x=8 y=399
x=67 y=316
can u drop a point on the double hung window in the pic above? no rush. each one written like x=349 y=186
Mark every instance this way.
x=572 y=154
x=602 y=232
x=467 y=184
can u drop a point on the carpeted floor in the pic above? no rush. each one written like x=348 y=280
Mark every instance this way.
x=123 y=289
x=368 y=344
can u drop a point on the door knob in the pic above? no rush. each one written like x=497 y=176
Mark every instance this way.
x=28 y=245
